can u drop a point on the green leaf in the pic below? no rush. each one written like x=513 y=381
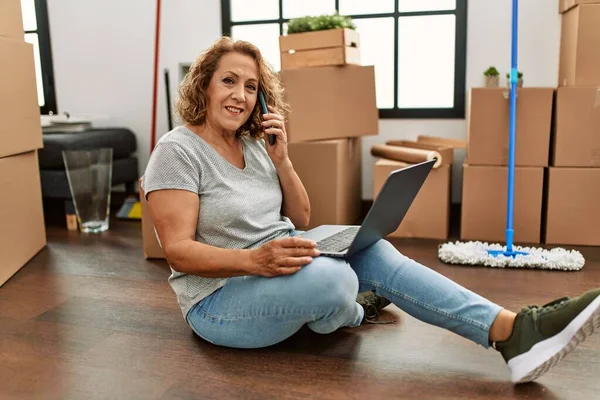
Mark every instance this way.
x=319 y=23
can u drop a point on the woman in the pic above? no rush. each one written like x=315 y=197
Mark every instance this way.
x=225 y=204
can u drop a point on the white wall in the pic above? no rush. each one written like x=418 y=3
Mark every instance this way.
x=103 y=60
x=187 y=28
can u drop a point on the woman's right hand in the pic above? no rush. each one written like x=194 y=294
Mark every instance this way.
x=283 y=256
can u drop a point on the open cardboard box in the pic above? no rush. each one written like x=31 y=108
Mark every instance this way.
x=319 y=48
x=429 y=214
x=566 y=5
x=459 y=147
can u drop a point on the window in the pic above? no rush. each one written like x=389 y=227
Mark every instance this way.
x=37 y=32
x=418 y=47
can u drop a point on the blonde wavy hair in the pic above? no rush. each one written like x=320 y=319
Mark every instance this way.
x=193 y=99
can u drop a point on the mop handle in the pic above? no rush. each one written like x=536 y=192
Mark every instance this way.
x=512 y=128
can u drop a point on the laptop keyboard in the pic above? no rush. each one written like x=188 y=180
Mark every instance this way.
x=338 y=241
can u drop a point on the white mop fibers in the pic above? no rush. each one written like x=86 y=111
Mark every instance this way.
x=475 y=253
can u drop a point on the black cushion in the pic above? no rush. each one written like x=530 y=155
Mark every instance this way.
x=55 y=183
x=121 y=140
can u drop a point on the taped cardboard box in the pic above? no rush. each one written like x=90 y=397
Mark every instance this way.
x=484 y=204
x=573 y=215
x=11 y=20
x=488 y=126
x=22 y=230
x=330 y=103
x=319 y=48
x=331 y=173
x=20 y=126
x=576 y=139
x=429 y=214
x=150 y=244
x=579 y=63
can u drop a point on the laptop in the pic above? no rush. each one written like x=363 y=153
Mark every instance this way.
x=389 y=208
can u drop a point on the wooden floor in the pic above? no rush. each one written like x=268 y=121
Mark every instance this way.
x=89 y=318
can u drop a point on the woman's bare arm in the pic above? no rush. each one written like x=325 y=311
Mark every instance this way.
x=175 y=216
x=296 y=204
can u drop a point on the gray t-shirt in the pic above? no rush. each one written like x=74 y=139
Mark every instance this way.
x=239 y=208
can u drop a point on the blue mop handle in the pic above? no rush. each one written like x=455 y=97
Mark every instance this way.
x=512 y=128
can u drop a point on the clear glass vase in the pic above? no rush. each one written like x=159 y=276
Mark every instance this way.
x=90 y=176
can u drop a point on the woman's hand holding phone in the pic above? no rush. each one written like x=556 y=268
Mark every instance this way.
x=263 y=107
x=274 y=126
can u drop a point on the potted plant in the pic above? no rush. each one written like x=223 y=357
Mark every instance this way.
x=319 y=41
x=319 y=23
x=492 y=77
x=519 y=81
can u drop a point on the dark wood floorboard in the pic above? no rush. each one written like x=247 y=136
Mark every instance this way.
x=89 y=318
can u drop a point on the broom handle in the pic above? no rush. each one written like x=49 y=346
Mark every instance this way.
x=512 y=128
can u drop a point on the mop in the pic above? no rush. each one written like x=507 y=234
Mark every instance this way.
x=510 y=255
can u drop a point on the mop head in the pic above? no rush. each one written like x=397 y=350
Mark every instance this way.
x=476 y=253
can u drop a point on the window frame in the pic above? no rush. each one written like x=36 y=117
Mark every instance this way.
x=460 y=51
x=43 y=32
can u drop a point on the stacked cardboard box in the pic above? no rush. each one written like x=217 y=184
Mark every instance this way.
x=429 y=215
x=485 y=172
x=22 y=231
x=573 y=215
x=333 y=104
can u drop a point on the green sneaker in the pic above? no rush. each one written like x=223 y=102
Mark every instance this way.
x=372 y=304
x=542 y=336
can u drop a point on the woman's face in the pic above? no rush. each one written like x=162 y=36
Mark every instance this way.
x=232 y=91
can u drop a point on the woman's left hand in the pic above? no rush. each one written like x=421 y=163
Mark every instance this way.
x=273 y=124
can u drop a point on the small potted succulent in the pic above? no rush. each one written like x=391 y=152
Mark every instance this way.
x=492 y=77
x=519 y=81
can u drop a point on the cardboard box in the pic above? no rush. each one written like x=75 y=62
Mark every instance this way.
x=429 y=214
x=320 y=48
x=488 y=126
x=566 y=5
x=579 y=43
x=11 y=20
x=331 y=173
x=460 y=154
x=150 y=243
x=330 y=103
x=573 y=215
x=484 y=204
x=20 y=126
x=576 y=139
x=22 y=230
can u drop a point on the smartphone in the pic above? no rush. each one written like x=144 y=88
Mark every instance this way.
x=265 y=110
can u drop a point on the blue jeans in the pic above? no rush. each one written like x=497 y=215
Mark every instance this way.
x=254 y=311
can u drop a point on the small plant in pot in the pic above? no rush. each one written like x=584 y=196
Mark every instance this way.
x=519 y=81
x=319 y=23
x=492 y=77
